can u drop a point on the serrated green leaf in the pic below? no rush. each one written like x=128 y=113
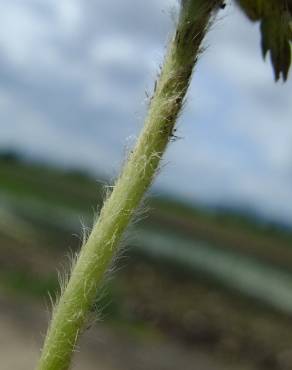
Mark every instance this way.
x=252 y=8
x=275 y=17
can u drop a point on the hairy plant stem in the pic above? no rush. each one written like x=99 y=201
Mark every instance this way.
x=96 y=255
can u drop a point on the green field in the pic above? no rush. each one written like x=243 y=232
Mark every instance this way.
x=215 y=281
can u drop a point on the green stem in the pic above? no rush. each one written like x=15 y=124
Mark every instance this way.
x=96 y=255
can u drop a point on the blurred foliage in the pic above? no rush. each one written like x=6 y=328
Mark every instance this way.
x=168 y=300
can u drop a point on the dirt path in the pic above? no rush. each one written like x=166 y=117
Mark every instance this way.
x=102 y=348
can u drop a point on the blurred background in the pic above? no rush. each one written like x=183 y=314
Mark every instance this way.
x=205 y=279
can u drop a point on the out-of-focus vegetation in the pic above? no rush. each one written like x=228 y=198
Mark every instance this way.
x=208 y=279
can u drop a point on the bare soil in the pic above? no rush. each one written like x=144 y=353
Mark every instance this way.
x=103 y=347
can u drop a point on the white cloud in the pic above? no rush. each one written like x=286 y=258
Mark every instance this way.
x=74 y=73
x=70 y=15
x=21 y=32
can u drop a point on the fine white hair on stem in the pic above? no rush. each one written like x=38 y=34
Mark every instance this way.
x=101 y=249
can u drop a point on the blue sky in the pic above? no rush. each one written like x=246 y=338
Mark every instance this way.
x=73 y=76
